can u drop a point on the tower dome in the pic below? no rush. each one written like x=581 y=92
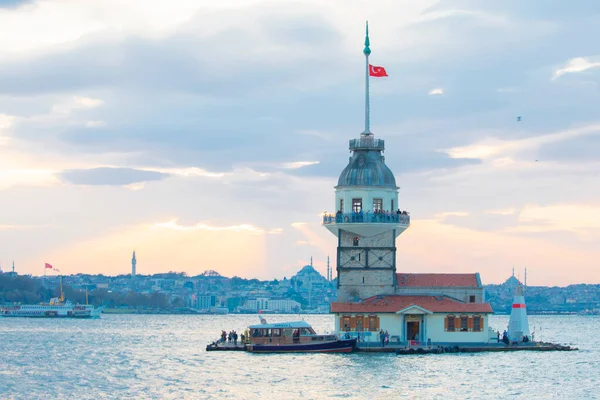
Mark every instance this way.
x=366 y=166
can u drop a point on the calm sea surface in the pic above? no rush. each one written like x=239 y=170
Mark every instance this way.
x=163 y=356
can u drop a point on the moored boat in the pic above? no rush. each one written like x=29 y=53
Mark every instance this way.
x=297 y=336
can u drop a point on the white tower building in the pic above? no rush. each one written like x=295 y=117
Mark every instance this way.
x=133 y=265
x=518 y=325
x=367 y=220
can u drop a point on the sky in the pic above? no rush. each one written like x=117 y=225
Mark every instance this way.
x=209 y=135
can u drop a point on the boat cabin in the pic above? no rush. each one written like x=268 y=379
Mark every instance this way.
x=285 y=333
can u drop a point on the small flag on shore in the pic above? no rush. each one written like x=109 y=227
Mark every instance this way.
x=55 y=269
x=376 y=71
x=48 y=266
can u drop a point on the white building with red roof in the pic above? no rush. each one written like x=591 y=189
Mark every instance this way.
x=372 y=295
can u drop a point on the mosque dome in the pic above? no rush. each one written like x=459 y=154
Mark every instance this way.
x=307 y=269
x=367 y=168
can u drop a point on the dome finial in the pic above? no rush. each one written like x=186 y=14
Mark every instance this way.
x=367 y=50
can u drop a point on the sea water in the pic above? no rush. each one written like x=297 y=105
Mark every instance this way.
x=164 y=357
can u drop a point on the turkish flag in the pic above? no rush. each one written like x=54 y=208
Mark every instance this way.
x=48 y=266
x=376 y=71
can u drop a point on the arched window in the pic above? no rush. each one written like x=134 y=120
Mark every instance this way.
x=359 y=323
x=451 y=323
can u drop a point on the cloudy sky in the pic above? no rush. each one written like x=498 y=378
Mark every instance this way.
x=209 y=135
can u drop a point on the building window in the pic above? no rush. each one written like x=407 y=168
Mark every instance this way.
x=359 y=323
x=451 y=322
x=477 y=323
x=346 y=321
x=392 y=209
x=373 y=323
x=355 y=241
x=356 y=205
x=363 y=279
x=377 y=204
x=341 y=205
x=464 y=323
x=471 y=299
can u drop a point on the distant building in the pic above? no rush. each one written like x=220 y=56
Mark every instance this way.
x=205 y=302
x=12 y=273
x=273 y=305
x=133 y=265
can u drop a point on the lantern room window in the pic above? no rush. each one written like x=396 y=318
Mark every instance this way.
x=377 y=204
x=356 y=205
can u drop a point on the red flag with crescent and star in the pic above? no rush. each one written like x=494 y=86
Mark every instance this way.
x=48 y=266
x=376 y=71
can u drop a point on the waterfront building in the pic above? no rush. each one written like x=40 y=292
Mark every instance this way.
x=372 y=295
x=204 y=302
x=272 y=305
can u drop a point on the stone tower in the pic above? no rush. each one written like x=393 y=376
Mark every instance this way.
x=367 y=221
x=133 y=264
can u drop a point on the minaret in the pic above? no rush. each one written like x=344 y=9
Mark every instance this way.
x=366 y=222
x=133 y=264
x=328 y=270
x=518 y=325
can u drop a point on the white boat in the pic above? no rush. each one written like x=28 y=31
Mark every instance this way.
x=56 y=308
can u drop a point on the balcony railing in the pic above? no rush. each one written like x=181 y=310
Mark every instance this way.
x=367 y=143
x=367 y=217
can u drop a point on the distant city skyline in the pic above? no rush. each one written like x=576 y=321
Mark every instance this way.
x=210 y=135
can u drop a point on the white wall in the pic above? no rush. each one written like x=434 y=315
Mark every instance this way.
x=434 y=329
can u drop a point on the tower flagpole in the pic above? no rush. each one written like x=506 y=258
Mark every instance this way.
x=366 y=52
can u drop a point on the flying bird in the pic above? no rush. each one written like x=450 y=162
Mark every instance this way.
x=518 y=119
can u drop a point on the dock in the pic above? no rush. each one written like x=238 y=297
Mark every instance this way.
x=483 y=348
x=434 y=349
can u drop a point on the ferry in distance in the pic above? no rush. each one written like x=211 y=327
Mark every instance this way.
x=56 y=308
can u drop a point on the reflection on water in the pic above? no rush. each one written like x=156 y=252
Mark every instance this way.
x=151 y=356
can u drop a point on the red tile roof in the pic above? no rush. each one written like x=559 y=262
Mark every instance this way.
x=395 y=303
x=437 y=280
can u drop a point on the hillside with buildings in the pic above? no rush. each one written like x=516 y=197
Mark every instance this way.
x=209 y=292
x=307 y=291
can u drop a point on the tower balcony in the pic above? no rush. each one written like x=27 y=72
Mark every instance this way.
x=367 y=223
x=367 y=143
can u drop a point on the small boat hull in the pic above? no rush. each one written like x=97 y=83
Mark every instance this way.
x=337 y=346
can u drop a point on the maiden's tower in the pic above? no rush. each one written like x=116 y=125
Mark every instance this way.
x=372 y=294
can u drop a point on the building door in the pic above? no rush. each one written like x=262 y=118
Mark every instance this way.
x=413 y=330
